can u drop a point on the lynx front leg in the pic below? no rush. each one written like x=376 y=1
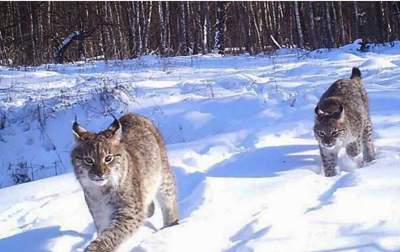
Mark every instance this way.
x=353 y=150
x=166 y=196
x=329 y=161
x=125 y=222
x=368 y=144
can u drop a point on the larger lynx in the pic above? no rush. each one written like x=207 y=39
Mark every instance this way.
x=122 y=170
x=342 y=120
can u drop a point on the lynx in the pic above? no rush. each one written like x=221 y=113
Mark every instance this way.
x=342 y=120
x=122 y=170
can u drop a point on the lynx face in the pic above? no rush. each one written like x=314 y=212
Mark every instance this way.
x=329 y=127
x=329 y=134
x=98 y=156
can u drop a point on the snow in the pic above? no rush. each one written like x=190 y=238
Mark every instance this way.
x=377 y=63
x=239 y=137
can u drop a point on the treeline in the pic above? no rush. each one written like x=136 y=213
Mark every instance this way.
x=33 y=33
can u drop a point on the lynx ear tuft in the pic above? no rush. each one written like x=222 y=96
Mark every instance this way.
x=114 y=131
x=78 y=131
x=355 y=73
x=339 y=113
x=318 y=111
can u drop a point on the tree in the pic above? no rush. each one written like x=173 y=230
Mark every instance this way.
x=341 y=23
x=331 y=41
x=219 y=28
x=31 y=32
x=163 y=29
x=312 y=25
x=298 y=25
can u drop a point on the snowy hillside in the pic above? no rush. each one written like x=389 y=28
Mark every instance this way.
x=239 y=136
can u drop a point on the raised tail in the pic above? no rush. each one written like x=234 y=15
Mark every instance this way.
x=357 y=83
x=355 y=73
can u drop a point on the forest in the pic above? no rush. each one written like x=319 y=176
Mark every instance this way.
x=34 y=33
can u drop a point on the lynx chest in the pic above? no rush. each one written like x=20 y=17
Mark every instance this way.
x=101 y=206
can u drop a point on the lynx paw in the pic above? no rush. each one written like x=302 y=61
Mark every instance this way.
x=330 y=173
x=96 y=246
x=369 y=159
x=176 y=222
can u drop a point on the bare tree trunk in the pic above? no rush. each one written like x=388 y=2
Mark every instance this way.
x=290 y=24
x=111 y=18
x=334 y=24
x=186 y=25
x=219 y=28
x=256 y=25
x=331 y=42
x=275 y=18
x=203 y=28
x=194 y=10
x=90 y=45
x=131 y=29
x=183 y=41
x=266 y=21
x=121 y=46
x=341 y=23
x=60 y=49
x=379 y=19
x=81 y=47
x=110 y=37
x=207 y=30
x=137 y=29
x=48 y=25
x=356 y=21
x=147 y=15
x=163 y=34
x=32 y=26
x=388 y=27
x=312 y=25
x=22 y=53
x=3 y=52
x=245 y=27
x=298 y=25
x=167 y=26
x=102 y=44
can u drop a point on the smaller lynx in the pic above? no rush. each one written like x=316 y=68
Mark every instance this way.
x=342 y=120
x=122 y=170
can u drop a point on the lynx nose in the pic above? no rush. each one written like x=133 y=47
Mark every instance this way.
x=328 y=145
x=101 y=176
x=97 y=175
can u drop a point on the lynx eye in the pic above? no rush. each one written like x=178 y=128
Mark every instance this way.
x=321 y=133
x=335 y=133
x=88 y=161
x=108 y=159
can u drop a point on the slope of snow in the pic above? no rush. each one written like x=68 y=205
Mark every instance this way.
x=239 y=136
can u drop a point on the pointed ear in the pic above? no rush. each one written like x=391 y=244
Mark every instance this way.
x=318 y=112
x=339 y=113
x=114 y=131
x=78 y=131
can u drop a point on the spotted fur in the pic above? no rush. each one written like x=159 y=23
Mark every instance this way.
x=342 y=120
x=122 y=170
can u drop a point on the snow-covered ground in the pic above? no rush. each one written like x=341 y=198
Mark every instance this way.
x=239 y=136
